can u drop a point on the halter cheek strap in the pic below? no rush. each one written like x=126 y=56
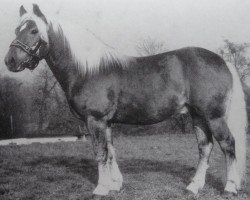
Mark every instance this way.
x=32 y=51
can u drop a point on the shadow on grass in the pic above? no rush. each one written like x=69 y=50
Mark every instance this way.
x=87 y=168
x=174 y=168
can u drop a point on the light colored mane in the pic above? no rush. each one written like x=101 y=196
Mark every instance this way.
x=88 y=50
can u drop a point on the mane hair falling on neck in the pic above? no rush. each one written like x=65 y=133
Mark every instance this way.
x=89 y=52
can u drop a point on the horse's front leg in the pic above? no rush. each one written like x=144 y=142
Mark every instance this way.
x=116 y=176
x=97 y=130
x=107 y=167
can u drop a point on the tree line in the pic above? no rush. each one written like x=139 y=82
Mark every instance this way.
x=35 y=108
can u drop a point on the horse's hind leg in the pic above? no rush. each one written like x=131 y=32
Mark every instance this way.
x=226 y=141
x=205 y=145
x=109 y=177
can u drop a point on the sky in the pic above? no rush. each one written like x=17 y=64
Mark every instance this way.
x=124 y=23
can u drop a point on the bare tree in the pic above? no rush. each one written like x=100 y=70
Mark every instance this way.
x=150 y=46
x=12 y=107
x=51 y=106
x=43 y=101
x=67 y=123
x=236 y=54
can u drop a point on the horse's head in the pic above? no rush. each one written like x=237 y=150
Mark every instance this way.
x=31 y=43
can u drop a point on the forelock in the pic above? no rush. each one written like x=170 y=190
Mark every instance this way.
x=41 y=25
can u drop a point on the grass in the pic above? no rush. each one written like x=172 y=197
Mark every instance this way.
x=154 y=167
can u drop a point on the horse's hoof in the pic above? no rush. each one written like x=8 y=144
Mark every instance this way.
x=115 y=186
x=94 y=197
x=229 y=195
x=101 y=190
x=192 y=187
x=189 y=195
x=231 y=188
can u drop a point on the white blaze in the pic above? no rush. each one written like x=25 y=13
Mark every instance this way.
x=23 y=27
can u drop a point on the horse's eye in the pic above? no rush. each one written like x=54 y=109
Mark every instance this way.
x=34 y=31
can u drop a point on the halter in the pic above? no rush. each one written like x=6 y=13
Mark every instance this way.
x=32 y=51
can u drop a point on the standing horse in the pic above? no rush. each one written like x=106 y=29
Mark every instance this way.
x=103 y=87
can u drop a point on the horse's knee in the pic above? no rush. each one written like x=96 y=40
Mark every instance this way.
x=101 y=158
x=205 y=150
x=204 y=139
x=228 y=146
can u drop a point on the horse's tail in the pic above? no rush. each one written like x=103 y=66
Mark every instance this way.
x=237 y=122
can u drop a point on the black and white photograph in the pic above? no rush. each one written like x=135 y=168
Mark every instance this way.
x=124 y=99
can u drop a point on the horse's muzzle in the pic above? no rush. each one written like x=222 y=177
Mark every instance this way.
x=10 y=61
x=11 y=64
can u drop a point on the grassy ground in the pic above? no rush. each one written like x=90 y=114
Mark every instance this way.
x=154 y=167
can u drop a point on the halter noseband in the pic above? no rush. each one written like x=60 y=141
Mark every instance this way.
x=32 y=51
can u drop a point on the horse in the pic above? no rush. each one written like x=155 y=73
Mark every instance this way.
x=104 y=86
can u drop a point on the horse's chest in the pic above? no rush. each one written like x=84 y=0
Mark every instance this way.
x=98 y=101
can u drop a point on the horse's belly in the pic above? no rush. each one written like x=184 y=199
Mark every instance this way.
x=146 y=111
x=139 y=117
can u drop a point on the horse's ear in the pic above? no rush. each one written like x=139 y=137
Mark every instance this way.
x=22 y=11
x=38 y=13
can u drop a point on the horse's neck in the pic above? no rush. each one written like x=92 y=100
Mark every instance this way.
x=61 y=63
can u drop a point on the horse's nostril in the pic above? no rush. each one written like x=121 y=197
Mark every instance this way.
x=12 y=62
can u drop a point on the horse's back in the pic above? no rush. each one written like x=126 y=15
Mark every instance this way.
x=156 y=87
